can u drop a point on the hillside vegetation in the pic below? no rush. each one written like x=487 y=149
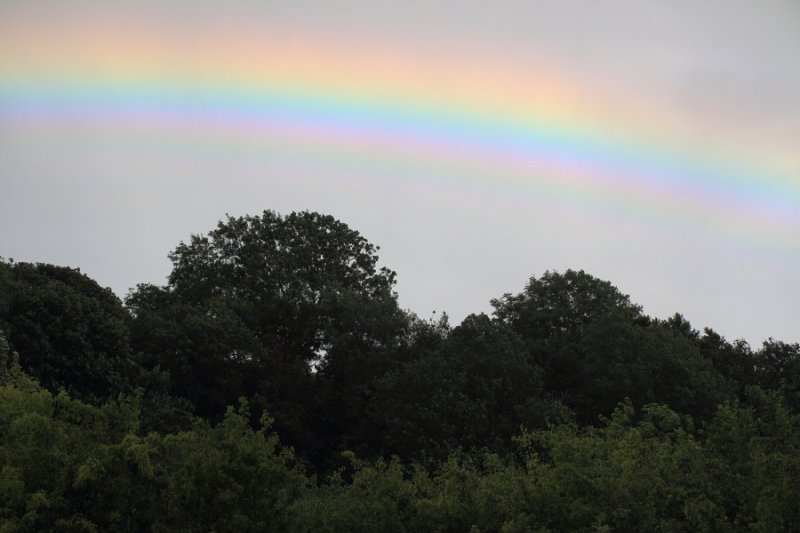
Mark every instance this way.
x=274 y=384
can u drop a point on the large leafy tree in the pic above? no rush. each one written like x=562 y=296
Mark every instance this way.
x=597 y=348
x=294 y=272
x=271 y=307
x=558 y=305
x=557 y=315
x=69 y=332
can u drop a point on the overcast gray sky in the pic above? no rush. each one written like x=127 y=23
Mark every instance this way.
x=113 y=196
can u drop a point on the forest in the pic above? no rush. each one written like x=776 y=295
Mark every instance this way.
x=275 y=384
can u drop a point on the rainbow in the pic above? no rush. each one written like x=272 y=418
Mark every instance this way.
x=530 y=132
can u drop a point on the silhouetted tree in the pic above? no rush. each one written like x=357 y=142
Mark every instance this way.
x=69 y=332
x=597 y=348
x=291 y=312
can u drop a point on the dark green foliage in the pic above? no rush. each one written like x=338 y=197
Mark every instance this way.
x=75 y=467
x=68 y=331
x=734 y=361
x=558 y=305
x=597 y=348
x=474 y=389
x=777 y=366
x=292 y=280
x=252 y=308
x=568 y=410
x=7 y=359
x=378 y=497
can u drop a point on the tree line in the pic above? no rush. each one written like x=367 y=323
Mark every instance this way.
x=274 y=383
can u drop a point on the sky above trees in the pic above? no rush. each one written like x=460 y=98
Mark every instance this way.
x=652 y=144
